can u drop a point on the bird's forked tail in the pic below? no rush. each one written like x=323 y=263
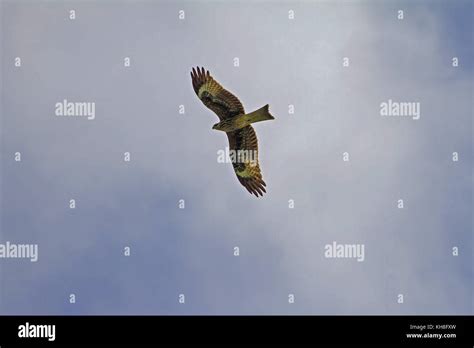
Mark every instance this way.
x=261 y=114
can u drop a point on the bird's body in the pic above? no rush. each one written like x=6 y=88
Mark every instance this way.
x=237 y=125
x=240 y=121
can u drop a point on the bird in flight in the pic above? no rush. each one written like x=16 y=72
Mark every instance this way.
x=236 y=124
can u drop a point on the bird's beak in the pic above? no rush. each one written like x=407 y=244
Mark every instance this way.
x=214 y=126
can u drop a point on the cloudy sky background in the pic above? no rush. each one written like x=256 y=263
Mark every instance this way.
x=190 y=251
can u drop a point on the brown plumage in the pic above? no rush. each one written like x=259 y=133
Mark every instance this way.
x=232 y=115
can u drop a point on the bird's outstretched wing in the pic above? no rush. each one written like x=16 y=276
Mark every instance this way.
x=247 y=171
x=214 y=96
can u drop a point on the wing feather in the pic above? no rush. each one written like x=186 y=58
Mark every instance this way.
x=224 y=104
x=248 y=172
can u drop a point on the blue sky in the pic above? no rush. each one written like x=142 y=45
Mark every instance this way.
x=407 y=251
